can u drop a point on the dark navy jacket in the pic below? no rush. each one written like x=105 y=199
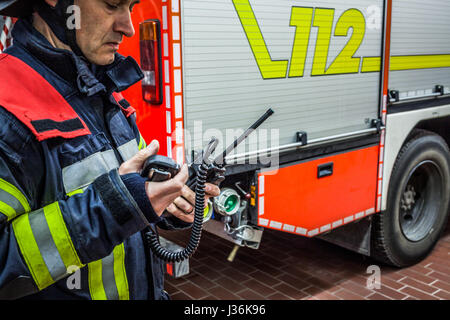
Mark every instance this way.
x=69 y=226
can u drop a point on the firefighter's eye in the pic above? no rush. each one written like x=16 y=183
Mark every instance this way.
x=111 y=6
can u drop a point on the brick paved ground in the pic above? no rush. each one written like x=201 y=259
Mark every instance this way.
x=292 y=267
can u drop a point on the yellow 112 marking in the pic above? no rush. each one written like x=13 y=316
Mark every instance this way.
x=302 y=19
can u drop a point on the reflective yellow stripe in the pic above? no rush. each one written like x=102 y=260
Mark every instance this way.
x=399 y=63
x=420 y=62
x=95 y=281
x=103 y=287
x=142 y=144
x=8 y=211
x=371 y=64
x=74 y=192
x=61 y=236
x=120 y=273
x=30 y=251
x=8 y=208
x=45 y=244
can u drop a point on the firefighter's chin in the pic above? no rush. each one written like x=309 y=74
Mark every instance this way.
x=103 y=57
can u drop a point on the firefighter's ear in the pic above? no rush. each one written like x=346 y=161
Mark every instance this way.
x=52 y=2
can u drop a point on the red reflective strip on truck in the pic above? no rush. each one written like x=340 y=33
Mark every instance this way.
x=173 y=82
x=384 y=102
x=162 y=122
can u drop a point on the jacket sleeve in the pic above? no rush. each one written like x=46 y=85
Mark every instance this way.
x=39 y=244
x=167 y=220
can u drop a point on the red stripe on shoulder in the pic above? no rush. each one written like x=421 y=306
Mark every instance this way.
x=35 y=102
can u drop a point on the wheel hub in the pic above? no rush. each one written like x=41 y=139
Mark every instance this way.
x=419 y=201
x=408 y=199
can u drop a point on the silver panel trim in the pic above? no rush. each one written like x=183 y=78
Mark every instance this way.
x=292 y=146
x=408 y=98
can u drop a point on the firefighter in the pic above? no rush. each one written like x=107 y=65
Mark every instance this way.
x=73 y=206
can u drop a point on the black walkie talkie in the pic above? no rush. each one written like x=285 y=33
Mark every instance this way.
x=162 y=168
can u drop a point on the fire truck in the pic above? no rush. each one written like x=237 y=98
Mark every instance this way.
x=356 y=152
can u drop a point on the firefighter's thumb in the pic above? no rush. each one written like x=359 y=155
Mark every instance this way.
x=151 y=150
x=136 y=163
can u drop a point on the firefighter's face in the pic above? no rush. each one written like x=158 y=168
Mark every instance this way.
x=103 y=24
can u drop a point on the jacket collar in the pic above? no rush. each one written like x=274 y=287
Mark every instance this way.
x=88 y=78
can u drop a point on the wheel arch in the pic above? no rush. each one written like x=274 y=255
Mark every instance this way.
x=440 y=126
x=400 y=127
x=418 y=147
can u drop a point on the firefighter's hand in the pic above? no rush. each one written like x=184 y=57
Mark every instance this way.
x=183 y=206
x=163 y=194
x=160 y=194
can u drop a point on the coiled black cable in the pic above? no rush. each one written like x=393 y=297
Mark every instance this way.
x=217 y=164
x=196 y=231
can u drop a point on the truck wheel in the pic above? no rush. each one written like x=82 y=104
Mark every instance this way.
x=418 y=202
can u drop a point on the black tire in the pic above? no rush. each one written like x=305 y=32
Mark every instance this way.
x=417 y=204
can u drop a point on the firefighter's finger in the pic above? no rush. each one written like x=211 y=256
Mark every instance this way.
x=173 y=187
x=175 y=211
x=211 y=190
x=161 y=195
x=188 y=194
x=136 y=162
x=184 y=205
x=182 y=176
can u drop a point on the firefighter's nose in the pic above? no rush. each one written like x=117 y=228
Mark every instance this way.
x=124 y=25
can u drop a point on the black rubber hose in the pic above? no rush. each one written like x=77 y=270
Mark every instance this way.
x=196 y=231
